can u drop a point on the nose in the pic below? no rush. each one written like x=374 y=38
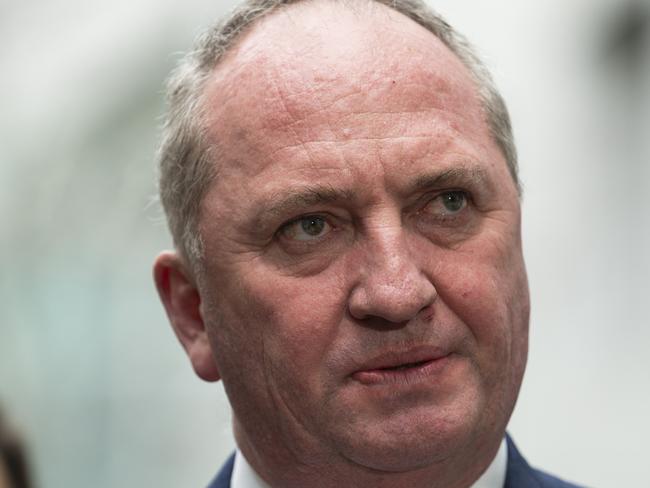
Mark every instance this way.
x=392 y=284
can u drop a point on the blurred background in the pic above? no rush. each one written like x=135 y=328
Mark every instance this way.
x=91 y=373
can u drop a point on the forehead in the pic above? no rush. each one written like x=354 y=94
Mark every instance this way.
x=331 y=84
x=322 y=63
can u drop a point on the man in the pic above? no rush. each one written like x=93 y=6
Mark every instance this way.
x=341 y=184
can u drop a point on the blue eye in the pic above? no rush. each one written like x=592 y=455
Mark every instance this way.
x=454 y=201
x=307 y=228
x=447 y=204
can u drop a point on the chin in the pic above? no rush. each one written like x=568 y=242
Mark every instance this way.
x=417 y=442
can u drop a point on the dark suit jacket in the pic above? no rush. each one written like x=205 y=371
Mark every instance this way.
x=518 y=475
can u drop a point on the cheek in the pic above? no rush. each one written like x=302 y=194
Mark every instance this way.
x=487 y=289
x=288 y=323
x=305 y=318
x=476 y=298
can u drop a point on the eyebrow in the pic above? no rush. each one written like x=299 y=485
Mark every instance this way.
x=279 y=205
x=468 y=174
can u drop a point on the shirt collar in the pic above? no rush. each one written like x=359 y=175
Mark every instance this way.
x=495 y=475
x=244 y=476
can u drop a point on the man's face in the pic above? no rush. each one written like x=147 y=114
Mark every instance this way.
x=364 y=290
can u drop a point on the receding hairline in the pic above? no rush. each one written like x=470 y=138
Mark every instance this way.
x=255 y=40
x=286 y=11
x=264 y=57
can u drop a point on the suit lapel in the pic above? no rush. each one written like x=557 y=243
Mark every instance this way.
x=223 y=478
x=519 y=474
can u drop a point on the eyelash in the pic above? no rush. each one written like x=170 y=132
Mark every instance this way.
x=313 y=219
x=282 y=232
x=451 y=216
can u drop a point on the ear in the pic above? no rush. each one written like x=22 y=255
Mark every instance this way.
x=182 y=301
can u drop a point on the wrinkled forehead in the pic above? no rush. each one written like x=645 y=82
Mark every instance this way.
x=316 y=57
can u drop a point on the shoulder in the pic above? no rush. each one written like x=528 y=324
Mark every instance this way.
x=521 y=475
x=552 y=482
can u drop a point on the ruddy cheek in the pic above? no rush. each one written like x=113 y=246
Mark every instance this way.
x=303 y=317
x=473 y=294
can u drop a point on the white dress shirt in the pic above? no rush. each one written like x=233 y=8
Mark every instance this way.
x=243 y=475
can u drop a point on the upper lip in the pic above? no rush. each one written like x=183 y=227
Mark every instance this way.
x=393 y=359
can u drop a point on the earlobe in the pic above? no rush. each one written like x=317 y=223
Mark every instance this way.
x=182 y=302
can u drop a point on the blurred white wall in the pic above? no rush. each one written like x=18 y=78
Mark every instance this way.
x=90 y=370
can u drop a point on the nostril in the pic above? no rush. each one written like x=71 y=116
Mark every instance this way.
x=380 y=323
x=427 y=312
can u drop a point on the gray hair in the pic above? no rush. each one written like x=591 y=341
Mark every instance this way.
x=188 y=162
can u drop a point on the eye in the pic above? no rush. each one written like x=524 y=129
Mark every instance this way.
x=447 y=204
x=310 y=227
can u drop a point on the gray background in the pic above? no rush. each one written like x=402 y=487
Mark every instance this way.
x=89 y=369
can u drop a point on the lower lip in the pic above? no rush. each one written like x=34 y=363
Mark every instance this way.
x=403 y=376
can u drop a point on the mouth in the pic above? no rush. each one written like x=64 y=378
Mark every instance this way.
x=407 y=368
x=402 y=367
